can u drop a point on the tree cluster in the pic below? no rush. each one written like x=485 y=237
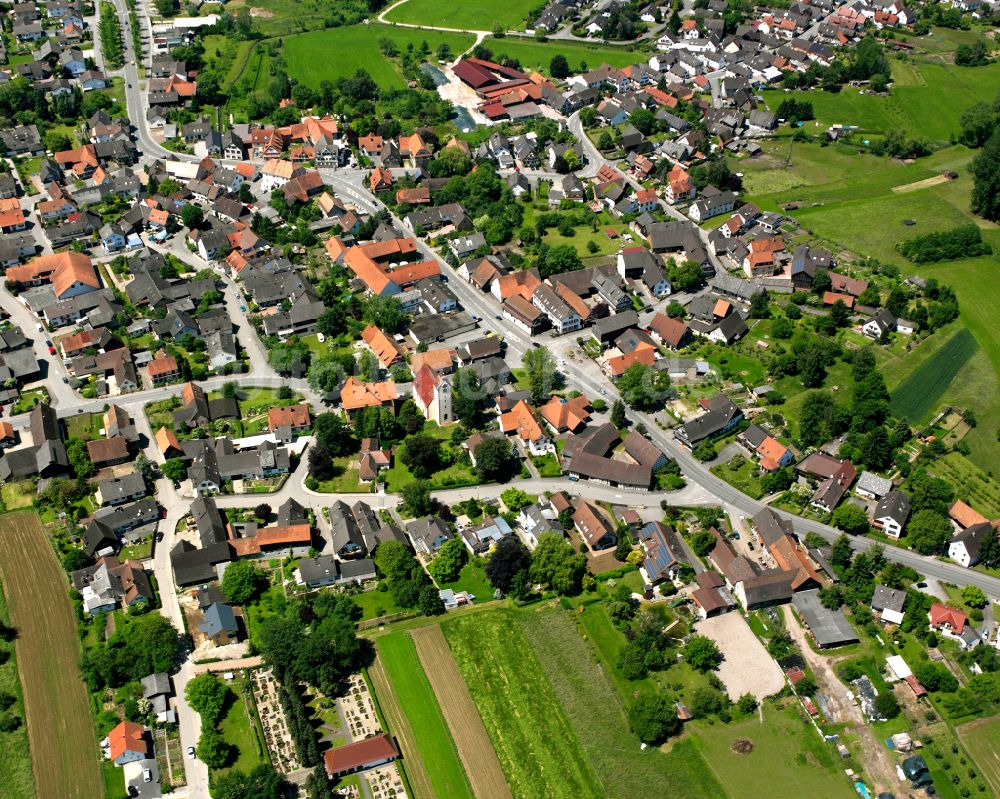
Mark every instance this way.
x=140 y=645
x=406 y=580
x=964 y=241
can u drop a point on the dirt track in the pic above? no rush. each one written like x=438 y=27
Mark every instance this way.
x=920 y=184
x=399 y=726
x=475 y=749
x=65 y=756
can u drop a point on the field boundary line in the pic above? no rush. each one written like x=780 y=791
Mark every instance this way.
x=475 y=749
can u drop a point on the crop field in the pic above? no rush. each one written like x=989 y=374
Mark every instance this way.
x=340 y=52
x=60 y=730
x=474 y=15
x=788 y=758
x=537 y=746
x=980 y=739
x=538 y=55
x=15 y=757
x=470 y=736
x=434 y=743
x=399 y=726
x=596 y=711
x=917 y=397
x=975 y=486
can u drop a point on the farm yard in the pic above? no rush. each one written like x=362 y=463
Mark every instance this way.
x=538 y=748
x=746 y=667
x=60 y=729
x=434 y=744
x=470 y=736
x=309 y=61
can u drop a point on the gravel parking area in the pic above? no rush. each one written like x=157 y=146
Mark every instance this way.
x=747 y=667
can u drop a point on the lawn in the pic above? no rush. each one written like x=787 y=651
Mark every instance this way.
x=472 y=579
x=238 y=730
x=433 y=740
x=538 y=55
x=28 y=400
x=60 y=727
x=980 y=739
x=376 y=603
x=474 y=15
x=583 y=236
x=918 y=396
x=87 y=426
x=309 y=60
x=456 y=475
x=347 y=480
x=15 y=759
x=746 y=478
x=538 y=748
x=548 y=465
x=18 y=495
x=788 y=757
x=596 y=711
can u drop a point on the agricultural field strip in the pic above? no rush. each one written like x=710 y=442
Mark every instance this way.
x=399 y=726
x=980 y=738
x=538 y=748
x=917 y=396
x=60 y=728
x=437 y=749
x=475 y=750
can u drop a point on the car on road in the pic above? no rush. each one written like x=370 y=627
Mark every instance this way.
x=243 y=307
x=66 y=380
x=147 y=775
x=52 y=350
x=191 y=752
x=130 y=85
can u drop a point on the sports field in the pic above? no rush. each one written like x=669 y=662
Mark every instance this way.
x=538 y=55
x=919 y=395
x=470 y=736
x=60 y=730
x=596 y=712
x=425 y=729
x=539 y=749
x=980 y=739
x=476 y=15
x=340 y=52
x=788 y=758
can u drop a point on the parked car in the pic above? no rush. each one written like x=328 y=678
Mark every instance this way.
x=191 y=752
x=147 y=775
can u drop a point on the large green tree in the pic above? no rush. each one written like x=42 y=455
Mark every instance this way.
x=243 y=582
x=653 y=718
x=702 y=653
x=986 y=179
x=928 y=532
x=421 y=455
x=540 y=365
x=509 y=559
x=557 y=564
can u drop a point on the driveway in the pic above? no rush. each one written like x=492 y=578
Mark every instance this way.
x=133 y=778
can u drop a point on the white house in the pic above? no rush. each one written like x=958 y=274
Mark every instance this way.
x=965 y=546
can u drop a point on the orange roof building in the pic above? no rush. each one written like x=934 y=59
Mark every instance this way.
x=440 y=360
x=385 y=348
x=356 y=394
x=267 y=537
x=962 y=514
x=294 y=416
x=943 y=616
x=70 y=273
x=521 y=420
x=644 y=353
x=566 y=414
x=127 y=743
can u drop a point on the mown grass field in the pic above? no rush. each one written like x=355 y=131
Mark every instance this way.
x=919 y=395
x=788 y=758
x=340 y=52
x=434 y=742
x=928 y=102
x=539 y=750
x=538 y=55
x=237 y=729
x=596 y=712
x=15 y=757
x=980 y=739
x=60 y=729
x=479 y=15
